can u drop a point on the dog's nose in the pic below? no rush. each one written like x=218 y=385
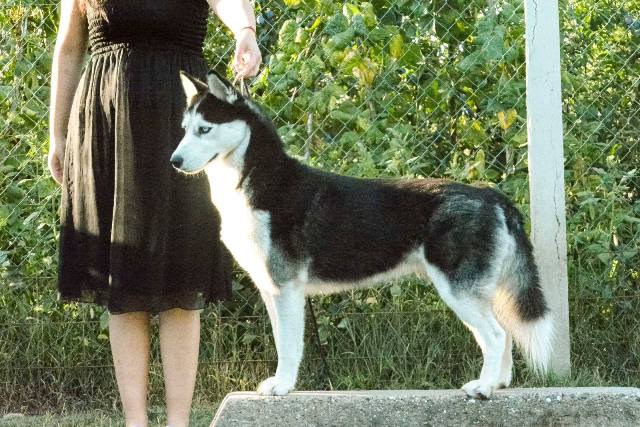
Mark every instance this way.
x=176 y=161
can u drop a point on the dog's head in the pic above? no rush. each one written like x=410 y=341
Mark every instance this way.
x=216 y=122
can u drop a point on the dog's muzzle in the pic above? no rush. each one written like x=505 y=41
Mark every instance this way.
x=176 y=160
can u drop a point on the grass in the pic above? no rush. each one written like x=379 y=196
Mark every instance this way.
x=392 y=338
x=200 y=416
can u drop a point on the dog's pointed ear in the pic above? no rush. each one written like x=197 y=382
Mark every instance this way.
x=221 y=88
x=191 y=85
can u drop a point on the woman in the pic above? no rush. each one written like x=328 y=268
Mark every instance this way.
x=136 y=236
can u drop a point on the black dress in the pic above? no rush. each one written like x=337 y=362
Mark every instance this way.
x=135 y=234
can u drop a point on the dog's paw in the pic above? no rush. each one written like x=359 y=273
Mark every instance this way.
x=478 y=389
x=275 y=386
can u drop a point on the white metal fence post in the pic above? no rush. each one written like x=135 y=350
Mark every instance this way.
x=546 y=167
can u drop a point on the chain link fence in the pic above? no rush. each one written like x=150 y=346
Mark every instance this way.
x=601 y=79
x=405 y=88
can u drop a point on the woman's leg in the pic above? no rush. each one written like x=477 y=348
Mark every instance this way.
x=129 y=337
x=179 y=345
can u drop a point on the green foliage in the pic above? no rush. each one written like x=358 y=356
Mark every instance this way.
x=348 y=84
x=405 y=88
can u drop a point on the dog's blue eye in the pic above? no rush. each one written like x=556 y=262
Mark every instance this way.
x=204 y=129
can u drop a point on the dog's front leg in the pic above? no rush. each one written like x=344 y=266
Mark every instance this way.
x=286 y=311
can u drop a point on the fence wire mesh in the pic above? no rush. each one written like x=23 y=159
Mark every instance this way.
x=389 y=88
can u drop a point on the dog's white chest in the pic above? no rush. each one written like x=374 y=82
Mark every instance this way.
x=244 y=231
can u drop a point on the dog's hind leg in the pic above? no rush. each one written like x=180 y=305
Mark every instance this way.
x=491 y=337
x=506 y=363
x=506 y=367
x=287 y=320
x=477 y=314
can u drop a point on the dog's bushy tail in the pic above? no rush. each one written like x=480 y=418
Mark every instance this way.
x=520 y=304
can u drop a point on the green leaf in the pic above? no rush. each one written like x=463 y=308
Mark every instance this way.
x=369 y=14
x=349 y=139
x=337 y=24
x=366 y=72
x=302 y=36
x=479 y=163
x=507 y=118
x=315 y=24
x=470 y=61
x=341 y=40
x=494 y=46
x=411 y=56
x=341 y=116
x=287 y=34
x=629 y=253
x=5 y=214
x=359 y=26
x=350 y=10
x=597 y=248
x=351 y=59
x=363 y=122
x=395 y=46
x=5 y=91
x=604 y=257
x=485 y=29
x=276 y=64
x=520 y=138
x=491 y=39
x=380 y=34
x=307 y=74
x=14 y=193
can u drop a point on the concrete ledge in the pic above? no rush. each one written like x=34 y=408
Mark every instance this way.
x=511 y=407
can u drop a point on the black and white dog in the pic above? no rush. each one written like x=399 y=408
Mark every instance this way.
x=300 y=231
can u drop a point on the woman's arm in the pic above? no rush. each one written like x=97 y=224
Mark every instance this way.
x=70 y=49
x=238 y=16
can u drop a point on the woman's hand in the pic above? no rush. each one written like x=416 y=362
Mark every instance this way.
x=56 y=158
x=248 y=57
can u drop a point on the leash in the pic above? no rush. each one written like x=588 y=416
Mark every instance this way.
x=241 y=84
x=321 y=349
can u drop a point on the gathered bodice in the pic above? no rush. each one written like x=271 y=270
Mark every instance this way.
x=167 y=24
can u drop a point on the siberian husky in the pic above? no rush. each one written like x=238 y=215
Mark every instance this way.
x=300 y=231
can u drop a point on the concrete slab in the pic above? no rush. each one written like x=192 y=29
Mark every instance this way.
x=611 y=406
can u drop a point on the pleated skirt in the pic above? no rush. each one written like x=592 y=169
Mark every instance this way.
x=136 y=235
